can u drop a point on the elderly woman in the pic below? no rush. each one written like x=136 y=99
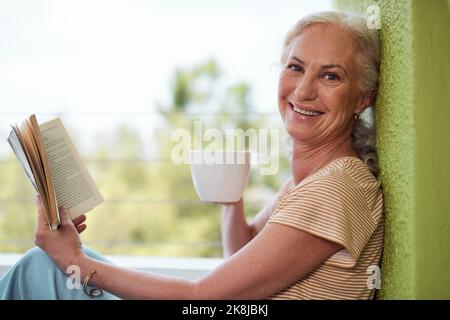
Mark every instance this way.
x=318 y=238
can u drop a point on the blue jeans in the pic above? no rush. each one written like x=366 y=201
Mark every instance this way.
x=36 y=277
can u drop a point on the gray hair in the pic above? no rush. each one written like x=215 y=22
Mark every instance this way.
x=367 y=45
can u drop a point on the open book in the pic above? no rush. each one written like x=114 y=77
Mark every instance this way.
x=55 y=168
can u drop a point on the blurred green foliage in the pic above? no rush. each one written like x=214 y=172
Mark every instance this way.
x=151 y=208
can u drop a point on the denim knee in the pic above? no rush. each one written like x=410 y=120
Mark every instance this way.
x=39 y=257
x=36 y=255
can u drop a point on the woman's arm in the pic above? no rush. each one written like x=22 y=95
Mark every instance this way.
x=277 y=257
x=236 y=231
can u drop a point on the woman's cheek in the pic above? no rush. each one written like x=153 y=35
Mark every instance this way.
x=282 y=96
x=333 y=100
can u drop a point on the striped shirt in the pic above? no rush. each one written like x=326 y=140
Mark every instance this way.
x=343 y=203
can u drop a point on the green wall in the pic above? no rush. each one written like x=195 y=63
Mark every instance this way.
x=413 y=114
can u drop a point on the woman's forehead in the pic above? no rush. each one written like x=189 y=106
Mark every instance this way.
x=324 y=44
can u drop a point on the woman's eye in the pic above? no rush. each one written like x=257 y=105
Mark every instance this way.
x=331 y=76
x=294 y=67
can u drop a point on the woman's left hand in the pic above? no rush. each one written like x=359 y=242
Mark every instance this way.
x=63 y=245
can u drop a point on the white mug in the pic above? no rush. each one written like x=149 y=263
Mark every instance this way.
x=220 y=176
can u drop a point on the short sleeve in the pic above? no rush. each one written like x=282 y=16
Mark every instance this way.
x=333 y=207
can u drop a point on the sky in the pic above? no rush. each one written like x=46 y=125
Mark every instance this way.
x=98 y=63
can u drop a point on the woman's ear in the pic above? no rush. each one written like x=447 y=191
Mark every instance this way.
x=366 y=101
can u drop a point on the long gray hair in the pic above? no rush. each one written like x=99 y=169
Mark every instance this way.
x=367 y=44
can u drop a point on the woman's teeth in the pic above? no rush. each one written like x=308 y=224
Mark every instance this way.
x=307 y=113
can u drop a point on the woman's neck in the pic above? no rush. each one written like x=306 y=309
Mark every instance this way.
x=308 y=159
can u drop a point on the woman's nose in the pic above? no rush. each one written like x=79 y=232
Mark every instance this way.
x=305 y=88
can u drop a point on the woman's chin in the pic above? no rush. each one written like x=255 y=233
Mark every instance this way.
x=294 y=126
x=298 y=135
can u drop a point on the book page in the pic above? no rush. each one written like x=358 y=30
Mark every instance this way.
x=15 y=144
x=27 y=147
x=54 y=218
x=74 y=186
x=36 y=165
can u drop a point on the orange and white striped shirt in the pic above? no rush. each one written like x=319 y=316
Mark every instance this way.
x=343 y=203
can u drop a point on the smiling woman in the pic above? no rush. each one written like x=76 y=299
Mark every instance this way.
x=319 y=237
x=330 y=77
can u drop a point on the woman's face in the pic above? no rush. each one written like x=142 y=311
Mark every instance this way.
x=318 y=90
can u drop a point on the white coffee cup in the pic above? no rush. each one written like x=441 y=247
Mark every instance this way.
x=220 y=176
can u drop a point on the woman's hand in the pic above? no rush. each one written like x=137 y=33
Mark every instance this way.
x=230 y=203
x=62 y=245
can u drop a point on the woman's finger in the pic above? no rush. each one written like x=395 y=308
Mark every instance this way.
x=65 y=218
x=79 y=219
x=81 y=227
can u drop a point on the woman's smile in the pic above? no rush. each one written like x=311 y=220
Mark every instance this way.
x=305 y=112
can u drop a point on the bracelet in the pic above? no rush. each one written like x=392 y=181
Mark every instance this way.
x=95 y=292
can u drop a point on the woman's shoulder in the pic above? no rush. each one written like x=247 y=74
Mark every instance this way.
x=345 y=182
x=349 y=173
x=353 y=168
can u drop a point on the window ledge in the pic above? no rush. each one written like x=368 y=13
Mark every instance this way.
x=187 y=268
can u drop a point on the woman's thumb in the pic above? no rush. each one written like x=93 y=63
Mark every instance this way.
x=64 y=215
